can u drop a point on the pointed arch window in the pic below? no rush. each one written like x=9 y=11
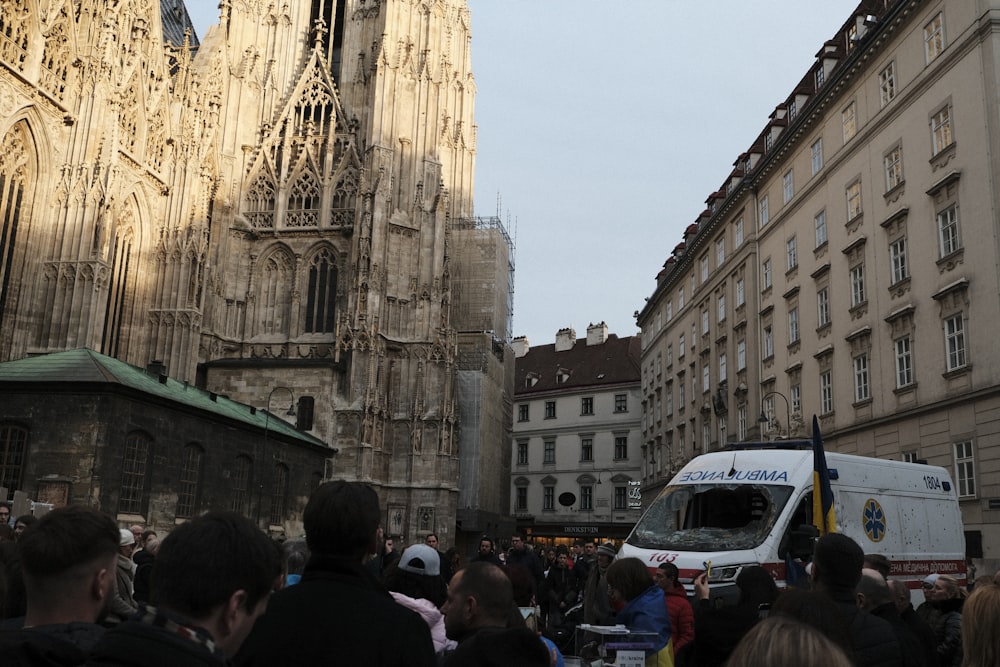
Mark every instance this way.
x=15 y=177
x=118 y=305
x=128 y=118
x=55 y=57
x=135 y=466
x=280 y=494
x=15 y=24
x=260 y=203
x=345 y=199
x=240 y=490
x=303 y=202
x=13 y=445
x=273 y=294
x=190 y=480
x=322 y=293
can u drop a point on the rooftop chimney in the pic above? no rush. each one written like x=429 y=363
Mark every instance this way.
x=597 y=334
x=521 y=346
x=565 y=339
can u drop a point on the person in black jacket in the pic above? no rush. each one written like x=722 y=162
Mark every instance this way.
x=875 y=598
x=919 y=627
x=339 y=614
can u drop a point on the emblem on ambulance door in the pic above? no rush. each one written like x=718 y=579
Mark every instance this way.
x=874 y=520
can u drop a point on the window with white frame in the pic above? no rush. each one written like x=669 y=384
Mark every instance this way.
x=853 y=193
x=670 y=310
x=521 y=500
x=587 y=405
x=741 y=292
x=548 y=498
x=766 y=273
x=741 y=422
x=947 y=224
x=793 y=325
x=887 y=83
x=820 y=75
x=680 y=298
x=621 y=447
x=621 y=403
x=816 y=155
x=704 y=268
x=858 y=295
x=823 y=307
x=826 y=392
x=788 y=185
x=706 y=381
x=586 y=497
x=904 y=362
x=680 y=347
x=680 y=393
x=862 y=383
x=549 y=451
x=897 y=260
x=522 y=452
x=741 y=355
x=765 y=216
x=522 y=412
x=934 y=38
x=669 y=400
x=791 y=254
x=670 y=356
x=795 y=396
x=909 y=456
x=819 y=222
x=768 y=140
x=893 y=162
x=965 y=469
x=954 y=341
x=941 y=135
x=739 y=233
x=704 y=321
x=768 y=342
x=550 y=409
x=848 y=119
x=720 y=251
x=793 y=110
x=621 y=498
x=721 y=307
x=587 y=449
x=722 y=367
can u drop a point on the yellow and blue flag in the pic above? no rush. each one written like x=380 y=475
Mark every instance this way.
x=824 y=517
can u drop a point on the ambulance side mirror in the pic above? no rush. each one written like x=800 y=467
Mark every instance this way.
x=802 y=540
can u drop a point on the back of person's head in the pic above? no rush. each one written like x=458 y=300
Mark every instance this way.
x=491 y=588
x=417 y=586
x=756 y=586
x=513 y=646
x=879 y=563
x=818 y=610
x=900 y=593
x=781 y=641
x=981 y=627
x=874 y=589
x=201 y=564
x=630 y=577
x=522 y=583
x=838 y=560
x=341 y=518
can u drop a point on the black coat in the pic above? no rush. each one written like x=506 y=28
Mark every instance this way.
x=948 y=632
x=911 y=651
x=872 y=638
x=337 y=615
x=48 y=645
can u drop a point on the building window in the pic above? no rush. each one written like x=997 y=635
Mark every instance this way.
x=947 y=224
x=680 y=298
x=887 y=83
x=522 y=412
x=721 y=307
x=587 y=449
x=788 y=185
x=621 y=402
x=549 y=498
x=941 y=136
x=240 y=485
x=587 y=405
x=862 y=384
x=549 y=451
x=820 y=75
x=766 y=273
x=954 y=340
x=13 y=443
x=858 y=296
x=820 y=224
x=586 y=498
x=680 y=347
x=720 y=251
x=793 y=325
x=722 y=367
x=897 y=260
x=893 y=168
x=680 y=394
x=741 y=293
x=934 y=38
x=741 y=422
x=793 y=110
x=704 y=268
x=795 y=396
x=768 y=342
x=321 y=293
x=522 y=453
x=704 y=321
x=621 y=498
x=706 y=382
x=521 y=499
x=550 y=409
x=621 y=447
x=853 y=200
x=279 y=495
x=739 y=232
x=816 y=154
x=765 y=216
x=741 y=355
x=823 y=307
x=791 y=253
x=849 y=122
x=135 y=462
x=187 y=490
x=904 y=362
x=910 y=456
x=826 y=392
x=965 y=469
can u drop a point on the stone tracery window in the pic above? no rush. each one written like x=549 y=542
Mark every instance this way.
x=321 y=295
x=260 y=203
x=14 y=30
x=274 y=287
x=304 y=202
x=15 y=177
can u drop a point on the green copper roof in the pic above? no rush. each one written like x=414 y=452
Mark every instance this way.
x=86 y=366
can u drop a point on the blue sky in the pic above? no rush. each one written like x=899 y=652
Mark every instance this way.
x=603 y=128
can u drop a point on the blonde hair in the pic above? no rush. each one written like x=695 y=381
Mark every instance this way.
x=782 y=641
x=981 y=627
x=951 y=583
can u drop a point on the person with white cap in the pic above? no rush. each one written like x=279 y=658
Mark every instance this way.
x=122 y=603
x=927 y=610
x=416 y=583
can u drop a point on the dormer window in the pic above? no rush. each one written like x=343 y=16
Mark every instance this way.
x=562 y=376
x=531 y=379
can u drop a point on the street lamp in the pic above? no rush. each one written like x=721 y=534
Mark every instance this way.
x=764 y=419
x=267 y=421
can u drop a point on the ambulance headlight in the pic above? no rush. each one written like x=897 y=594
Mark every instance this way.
x=726 y=573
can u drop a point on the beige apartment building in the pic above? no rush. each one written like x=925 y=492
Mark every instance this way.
x=849 y=266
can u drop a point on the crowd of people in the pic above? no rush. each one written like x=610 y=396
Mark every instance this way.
x=78 y=590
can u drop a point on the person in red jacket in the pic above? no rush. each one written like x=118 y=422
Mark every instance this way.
x=681 y=613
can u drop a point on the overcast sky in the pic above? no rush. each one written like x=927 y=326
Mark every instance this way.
x=604 y=127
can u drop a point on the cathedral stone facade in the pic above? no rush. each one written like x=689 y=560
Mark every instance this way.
x=287 y=204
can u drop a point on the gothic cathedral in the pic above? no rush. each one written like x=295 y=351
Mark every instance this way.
x=281 y=213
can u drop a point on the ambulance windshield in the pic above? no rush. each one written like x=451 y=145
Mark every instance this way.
x=710 y=517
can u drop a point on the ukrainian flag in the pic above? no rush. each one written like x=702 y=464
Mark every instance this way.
x=824 y=517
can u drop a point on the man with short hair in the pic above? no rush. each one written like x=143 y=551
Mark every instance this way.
x=873 y=596
x=432 y=541
x=522 y=554
x=339 y=614
x=480 y=605
x=586 y=559
x=69 y=559
x=836 y=570
x=679 y=608
x=901 y=598
x=212 y=579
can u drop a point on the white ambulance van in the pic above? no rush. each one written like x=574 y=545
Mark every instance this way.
x=751 y=504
